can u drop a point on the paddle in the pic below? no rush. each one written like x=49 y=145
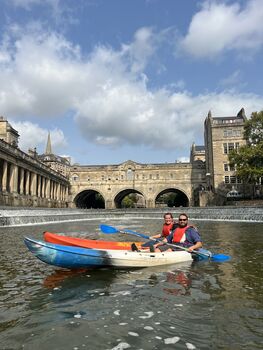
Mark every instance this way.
x=216 y=257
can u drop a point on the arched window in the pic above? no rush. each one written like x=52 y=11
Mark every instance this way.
x=129 y=175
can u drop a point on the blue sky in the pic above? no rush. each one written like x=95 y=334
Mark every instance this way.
x=117 y=80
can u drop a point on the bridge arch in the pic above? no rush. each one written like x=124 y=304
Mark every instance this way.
x=178 y=199
x=88 y=199
x=141 y=202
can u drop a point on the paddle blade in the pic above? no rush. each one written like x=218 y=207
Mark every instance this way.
x=108 y=229
x=220 y=257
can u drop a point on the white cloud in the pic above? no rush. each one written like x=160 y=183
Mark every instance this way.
x=32 y=135
x=221 y=27
x=141 y=48
x=28 y=4
x=43 y=76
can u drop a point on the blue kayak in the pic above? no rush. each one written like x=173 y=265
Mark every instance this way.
x=72 y=257
x=66 y=256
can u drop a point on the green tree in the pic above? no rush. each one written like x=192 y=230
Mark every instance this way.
x=129 y=201
x=248 y=159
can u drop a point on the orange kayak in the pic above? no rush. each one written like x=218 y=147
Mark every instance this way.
x=87 y=243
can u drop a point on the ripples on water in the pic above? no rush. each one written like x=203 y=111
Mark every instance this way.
x=203 y=305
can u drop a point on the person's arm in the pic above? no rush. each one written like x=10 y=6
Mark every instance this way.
x=197 y=245
x=194 y=239
x=164 y=240
x=156 y=236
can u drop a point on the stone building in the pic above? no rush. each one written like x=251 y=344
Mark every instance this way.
x=24 y=180
x=197 y=153
x=8 y=133
x=221 y=135
x=55 y=162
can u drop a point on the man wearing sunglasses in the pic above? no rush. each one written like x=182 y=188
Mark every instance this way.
x=183 y=235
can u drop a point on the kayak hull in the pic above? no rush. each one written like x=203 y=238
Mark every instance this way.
x=76 y=257
x=87 y=243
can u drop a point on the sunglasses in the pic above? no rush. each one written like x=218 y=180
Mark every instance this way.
x=182 y=219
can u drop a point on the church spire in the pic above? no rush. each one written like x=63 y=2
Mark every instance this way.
x=48 y=148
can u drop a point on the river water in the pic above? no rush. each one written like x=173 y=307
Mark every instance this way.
x=201 y=305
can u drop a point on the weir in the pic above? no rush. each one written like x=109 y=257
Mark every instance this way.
x=26 y=216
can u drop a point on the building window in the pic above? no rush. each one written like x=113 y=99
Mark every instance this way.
x=232 y=133
x=232 y=180
x=228 y=167
x=129 y=175
x=227 y=147
x=75 y=177
x=231 y=146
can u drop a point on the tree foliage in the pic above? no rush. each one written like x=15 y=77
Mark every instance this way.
x=249 y=158
x=253 y=129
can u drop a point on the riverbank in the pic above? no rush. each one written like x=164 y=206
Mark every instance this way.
x=31 y=216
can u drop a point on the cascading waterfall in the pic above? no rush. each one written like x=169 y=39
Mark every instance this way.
x=30 y=216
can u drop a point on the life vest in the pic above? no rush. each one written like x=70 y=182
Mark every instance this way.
x=167 y=229
x=179 y=234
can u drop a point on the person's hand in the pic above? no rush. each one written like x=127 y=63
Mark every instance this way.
x=190 y=249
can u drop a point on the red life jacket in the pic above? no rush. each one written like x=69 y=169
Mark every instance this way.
x=179 y=234
x=167 y=229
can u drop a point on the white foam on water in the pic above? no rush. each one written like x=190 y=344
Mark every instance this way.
x=148 y=328
x=77 y=315
x=190 y=346
x=121 y=346
x=173 y=340
x=133 y=334
x=121 y=292
x=123 y=324
x=136 y=272
x=148 y=313
x=178 y=305
x=116 y=312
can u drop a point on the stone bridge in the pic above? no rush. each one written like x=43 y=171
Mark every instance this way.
x=149 y=181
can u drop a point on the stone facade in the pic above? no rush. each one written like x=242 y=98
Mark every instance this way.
x=7 y=133
x=24 y=181
x=55 y=162
x=221 y=135
x=114 y=182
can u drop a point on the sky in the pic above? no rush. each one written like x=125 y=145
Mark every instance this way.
x=118 y=80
